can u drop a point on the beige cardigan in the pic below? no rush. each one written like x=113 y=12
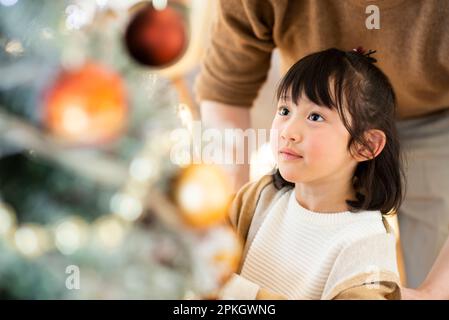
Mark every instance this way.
x=247 y=211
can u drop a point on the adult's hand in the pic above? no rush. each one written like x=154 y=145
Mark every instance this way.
x=436 y=285
x=224 y=116
x=415 y=294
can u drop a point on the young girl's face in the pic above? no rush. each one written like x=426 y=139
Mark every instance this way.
x=310 y=142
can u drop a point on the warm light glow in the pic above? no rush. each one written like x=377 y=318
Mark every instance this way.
x=14 y=48
x=159 y=4
x=143 y=169
x=126 y=206
x=109 y=232
x=192 y=197
x=31 y=240
x=262 y=162
x=185 y=114
x=7 y=219
x=75 y=120
x=70 y=235
x=203 y=193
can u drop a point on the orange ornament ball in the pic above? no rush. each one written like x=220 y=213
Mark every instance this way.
x=87 y=105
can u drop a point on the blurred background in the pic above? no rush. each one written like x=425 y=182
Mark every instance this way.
x=92 y=205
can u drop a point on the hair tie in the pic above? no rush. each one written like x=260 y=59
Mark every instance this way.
x=363 y=52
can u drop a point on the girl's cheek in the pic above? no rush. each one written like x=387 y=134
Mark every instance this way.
x=316 y=147
x=327 y=146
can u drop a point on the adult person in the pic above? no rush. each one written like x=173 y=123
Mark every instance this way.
x=412 y=43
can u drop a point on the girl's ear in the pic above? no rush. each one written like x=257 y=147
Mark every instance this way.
x=376 y=140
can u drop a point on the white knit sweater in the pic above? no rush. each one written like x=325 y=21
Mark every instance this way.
x=305 y=255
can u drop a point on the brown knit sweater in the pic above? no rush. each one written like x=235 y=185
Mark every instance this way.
x=412 y=46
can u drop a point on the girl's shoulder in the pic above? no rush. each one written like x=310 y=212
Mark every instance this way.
x=255 y=194
x=371 y=224
x=366 y=260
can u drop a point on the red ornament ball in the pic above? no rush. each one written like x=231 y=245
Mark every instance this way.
x=87 y=105
x=157 y=38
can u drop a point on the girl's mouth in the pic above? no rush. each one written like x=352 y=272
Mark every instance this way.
x=288 y=156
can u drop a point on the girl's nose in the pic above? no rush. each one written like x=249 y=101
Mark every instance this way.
x=290 y=132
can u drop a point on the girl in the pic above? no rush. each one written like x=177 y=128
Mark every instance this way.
x=314 y=228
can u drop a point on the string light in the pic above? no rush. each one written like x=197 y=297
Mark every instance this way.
x=109 y=231
x=70 y=235
x=126 y=206
x=143 y=169
x=31 y=240
x=7 y=219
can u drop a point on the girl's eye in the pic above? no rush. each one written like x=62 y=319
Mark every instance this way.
x=283 y=111
x=315 y=117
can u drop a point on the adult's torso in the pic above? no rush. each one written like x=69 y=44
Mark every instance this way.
x=412 y=42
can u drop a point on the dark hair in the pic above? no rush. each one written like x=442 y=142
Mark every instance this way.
x=369 y=99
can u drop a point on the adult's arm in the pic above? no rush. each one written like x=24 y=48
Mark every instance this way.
x=436 y=285
x=238 y=56
x=223 y=116
x=234 y=67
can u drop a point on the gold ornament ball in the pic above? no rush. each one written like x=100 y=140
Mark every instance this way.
x=203 y=194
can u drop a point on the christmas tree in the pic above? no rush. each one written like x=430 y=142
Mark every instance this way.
x=92 y=204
